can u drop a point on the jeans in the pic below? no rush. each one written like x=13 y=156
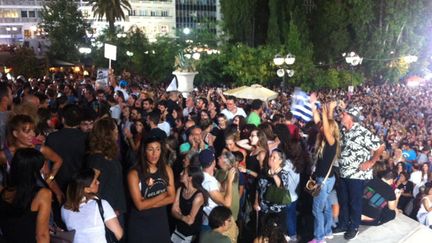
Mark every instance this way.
x=322 y=209
x=291 y=219
x=350 y=195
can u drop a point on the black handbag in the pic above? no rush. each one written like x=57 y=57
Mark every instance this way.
x=108 y=234
x=60 y=236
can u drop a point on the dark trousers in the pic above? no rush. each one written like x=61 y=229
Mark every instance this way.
x=350 y=194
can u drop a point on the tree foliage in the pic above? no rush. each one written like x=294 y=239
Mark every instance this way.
x=24 y=62
x=66 y=29
x=111 y=10
x=381 y=31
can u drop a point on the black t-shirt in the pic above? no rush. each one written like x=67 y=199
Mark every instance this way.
x=376 y=196
x=408 y=187
x=111 y=180
x=156 y=132
x=219 y=143
x=70 y=145
x=324 y=162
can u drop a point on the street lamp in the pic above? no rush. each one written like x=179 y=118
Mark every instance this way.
x=283 y=63
x=121 y=35
x=129 y=53
x=84 y=50
x=187 y=31
x=353 y=59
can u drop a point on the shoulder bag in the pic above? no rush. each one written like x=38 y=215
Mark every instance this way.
x=108 y=234
x=312 y=187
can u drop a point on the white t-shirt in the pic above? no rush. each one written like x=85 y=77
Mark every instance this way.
x=165 y=126
x=209 y=184
x=229 y=115
x=87 y=223
x=125 y=93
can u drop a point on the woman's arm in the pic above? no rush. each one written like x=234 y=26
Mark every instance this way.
x=49 y=154
x=316 y=116
x=244 y=143
x=175 y=210
x=139 y=202
x=327 y=133
x=426 y=205
x=196 y=206
x=42 y=204
x=170 y=196
x=115 y=227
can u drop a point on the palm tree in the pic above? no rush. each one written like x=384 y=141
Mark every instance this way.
x=112 y=10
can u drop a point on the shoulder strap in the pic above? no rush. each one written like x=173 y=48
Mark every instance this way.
x=101 y=211
x=331 y=166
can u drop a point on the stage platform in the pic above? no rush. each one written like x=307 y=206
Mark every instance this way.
x=400 y=230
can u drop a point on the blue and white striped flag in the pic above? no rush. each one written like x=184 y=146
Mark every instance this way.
x=300 y=105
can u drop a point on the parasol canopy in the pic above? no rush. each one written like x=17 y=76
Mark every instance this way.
x=255 y=91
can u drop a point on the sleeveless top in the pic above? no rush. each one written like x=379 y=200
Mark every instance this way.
x=150 y=224
x=325 y=160
x=185 y=208
x=16 y=225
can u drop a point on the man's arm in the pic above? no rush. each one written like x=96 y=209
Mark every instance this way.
x=375 y=157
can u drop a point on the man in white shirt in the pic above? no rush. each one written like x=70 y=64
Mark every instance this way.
x=208 y=163
x=231 y=109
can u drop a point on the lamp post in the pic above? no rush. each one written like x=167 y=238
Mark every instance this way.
x=283 y=64
x=353 y=59
x=85 y=51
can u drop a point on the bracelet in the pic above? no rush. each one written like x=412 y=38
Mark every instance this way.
x=247 y=171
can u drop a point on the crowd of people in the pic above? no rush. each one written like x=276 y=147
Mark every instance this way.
x=127 y=162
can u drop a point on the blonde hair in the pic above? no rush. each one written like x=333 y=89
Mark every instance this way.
x=319 y=146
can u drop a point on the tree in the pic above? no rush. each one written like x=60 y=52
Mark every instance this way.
x=24 y=62
x=111 y=10
x=66 y=29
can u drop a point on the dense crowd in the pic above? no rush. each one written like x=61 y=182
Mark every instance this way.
x=127 y=162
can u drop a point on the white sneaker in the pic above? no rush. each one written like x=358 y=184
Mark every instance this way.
x=329 y=237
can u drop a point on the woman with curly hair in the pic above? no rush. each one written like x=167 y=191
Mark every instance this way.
x=104 y=158
x=21 y=134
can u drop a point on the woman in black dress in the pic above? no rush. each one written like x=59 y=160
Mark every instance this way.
x=151 y=185
x=25 y=202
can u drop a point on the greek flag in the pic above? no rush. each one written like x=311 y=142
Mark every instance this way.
x=300 y=105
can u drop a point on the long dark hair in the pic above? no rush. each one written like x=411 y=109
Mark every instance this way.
x=25 y=176
x=292 y=148
x=75 y=191
x=142 y=166
x=197 y=179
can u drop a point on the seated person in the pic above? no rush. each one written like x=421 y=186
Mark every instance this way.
x=379 y=199
x=406 y=188
x=220 y=221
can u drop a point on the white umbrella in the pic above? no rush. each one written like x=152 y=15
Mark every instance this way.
x=255 y=91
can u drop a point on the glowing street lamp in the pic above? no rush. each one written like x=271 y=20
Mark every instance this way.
x=283 y=64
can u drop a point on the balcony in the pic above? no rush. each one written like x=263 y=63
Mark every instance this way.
x=19 y=20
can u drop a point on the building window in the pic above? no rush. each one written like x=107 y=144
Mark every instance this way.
x=152 y=13
x=164 y=13
x=23 y=14
x=32 y=14
x=163 y=28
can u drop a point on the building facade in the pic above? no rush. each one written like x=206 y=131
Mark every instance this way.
x=19 y=18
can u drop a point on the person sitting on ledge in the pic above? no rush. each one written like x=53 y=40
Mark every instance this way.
x=379 y=199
